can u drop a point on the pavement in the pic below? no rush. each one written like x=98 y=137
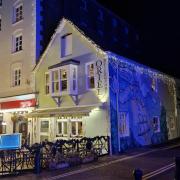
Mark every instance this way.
x=157 y=163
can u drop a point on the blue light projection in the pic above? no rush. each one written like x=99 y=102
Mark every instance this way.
x=137 y=95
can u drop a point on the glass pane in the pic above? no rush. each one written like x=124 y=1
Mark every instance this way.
x=63 y=74
x=65 y=128
x=64 y=85
x=73 y=128
x=91 y=82
x=80 y=132
x=59 y=127
x=44 y=126
x=74 y=84
x=91 y=70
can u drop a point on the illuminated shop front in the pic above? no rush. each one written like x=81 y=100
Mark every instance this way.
x=13 y=112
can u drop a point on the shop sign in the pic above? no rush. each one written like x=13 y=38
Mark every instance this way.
x=18 y=104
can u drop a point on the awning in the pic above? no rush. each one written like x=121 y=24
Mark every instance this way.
x=76 y=111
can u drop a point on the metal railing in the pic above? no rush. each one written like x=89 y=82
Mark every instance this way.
x=47 y=154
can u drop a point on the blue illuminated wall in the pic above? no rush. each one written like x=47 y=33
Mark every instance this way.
x=132 y=92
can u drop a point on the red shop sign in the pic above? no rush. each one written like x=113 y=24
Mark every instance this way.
x=18 y=104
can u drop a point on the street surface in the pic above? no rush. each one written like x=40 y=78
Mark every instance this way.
x=156 y=164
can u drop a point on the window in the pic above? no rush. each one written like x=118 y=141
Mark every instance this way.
x=62 y=128
x=16 y=77
x=90 y=76
x=66 y=45
x=123 y=124
x=84 y=5
x=17 y=43
x=0 y=3
x=74 y=79
x=63 y=73
x=171 y=122
x=47 y=83
x=2 y=125
x=44 y=127
x=156 y=124
x=55 y=81
x=18 y=13
x=76 y=128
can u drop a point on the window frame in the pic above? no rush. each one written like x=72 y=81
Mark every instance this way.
x=124 y=129
x=87 y=75
x=16 y=82
x=76 y=121
x=64 y=45
x=47 y=84
x=18 y=18
x=158 y=130
x=17 y=46
x=63 y=121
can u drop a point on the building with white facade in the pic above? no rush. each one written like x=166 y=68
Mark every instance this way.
x=84 y=91
x=19 y=51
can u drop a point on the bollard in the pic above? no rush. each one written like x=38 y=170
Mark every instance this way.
x=37 y=160
x=137 y=174
x=177 y=171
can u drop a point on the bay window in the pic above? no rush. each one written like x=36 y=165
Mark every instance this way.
x=55 y=81
x=63 y=78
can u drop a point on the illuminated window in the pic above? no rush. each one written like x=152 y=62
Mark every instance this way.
x=47 y=83
x=44 y=130
x=156 y=124
x=16 y=77
x=18 y=13
x=123 y=124
x=90 y=76
x=44 y=126
x=55 y=81
x=66 y=45
x=62 y=128
x=76 y=128
x=2 y=125
x=63 y=73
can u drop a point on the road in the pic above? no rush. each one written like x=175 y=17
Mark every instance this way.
x=156 y=164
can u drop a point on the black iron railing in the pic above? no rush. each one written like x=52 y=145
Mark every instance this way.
x=52 y=155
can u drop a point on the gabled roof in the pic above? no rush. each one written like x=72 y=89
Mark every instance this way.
x=60 y=27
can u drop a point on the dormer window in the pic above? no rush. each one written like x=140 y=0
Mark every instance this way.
x=66 y=45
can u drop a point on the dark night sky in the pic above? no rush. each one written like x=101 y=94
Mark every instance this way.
x=158 y=22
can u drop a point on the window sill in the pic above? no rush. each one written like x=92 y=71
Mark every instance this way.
x=17 y=22
x=17 y=52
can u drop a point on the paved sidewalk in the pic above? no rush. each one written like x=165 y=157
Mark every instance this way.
x=102 y=160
